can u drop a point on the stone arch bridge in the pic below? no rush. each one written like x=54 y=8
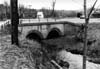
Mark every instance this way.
x=47 y=30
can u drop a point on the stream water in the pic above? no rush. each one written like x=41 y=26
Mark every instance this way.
x=76 y=61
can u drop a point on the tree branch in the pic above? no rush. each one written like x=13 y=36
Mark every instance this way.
x=92 y=9
x=56 y=64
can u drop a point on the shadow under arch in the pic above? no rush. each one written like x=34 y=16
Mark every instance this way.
x=54 y=33
x=34 y=35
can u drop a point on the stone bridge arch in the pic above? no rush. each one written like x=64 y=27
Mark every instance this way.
x=54 y=33
x=34 y=35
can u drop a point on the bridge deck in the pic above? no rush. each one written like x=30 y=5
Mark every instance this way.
x=48 y=23
x=73 y=21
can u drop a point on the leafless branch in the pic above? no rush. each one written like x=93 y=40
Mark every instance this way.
x=92 y=9
x=53 y=7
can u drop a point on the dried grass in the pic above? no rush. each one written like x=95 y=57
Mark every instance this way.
x=29 y=56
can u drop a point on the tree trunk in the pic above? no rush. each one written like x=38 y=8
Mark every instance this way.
x=14 y=22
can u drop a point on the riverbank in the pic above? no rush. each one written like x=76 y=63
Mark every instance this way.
x=13 y=57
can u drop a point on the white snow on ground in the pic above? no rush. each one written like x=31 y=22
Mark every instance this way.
x=76 y=61
x=2 y=23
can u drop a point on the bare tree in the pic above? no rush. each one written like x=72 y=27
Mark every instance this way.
x=6 y=8
x=21 y=9
x=87 y=17
x=53 y=8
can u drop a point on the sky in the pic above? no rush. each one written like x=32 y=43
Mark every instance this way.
x=60 y=4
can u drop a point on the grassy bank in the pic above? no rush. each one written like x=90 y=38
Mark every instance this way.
x=28 y=56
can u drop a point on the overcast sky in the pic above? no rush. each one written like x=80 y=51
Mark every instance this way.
x=60 y=4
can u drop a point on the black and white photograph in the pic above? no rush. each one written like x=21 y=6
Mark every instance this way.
x=49 y=34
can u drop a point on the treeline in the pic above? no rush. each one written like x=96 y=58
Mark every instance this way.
x=4 y=12
x=22 y=11
x=59 y=13
x=32 y=13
